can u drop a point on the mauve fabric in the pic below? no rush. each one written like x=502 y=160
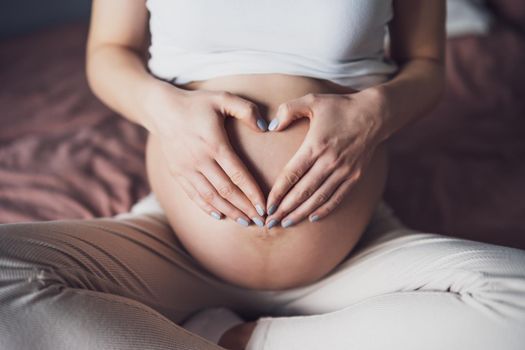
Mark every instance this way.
x=510 y=11
x=128 y=283
x=459 y=171
x=62 y=153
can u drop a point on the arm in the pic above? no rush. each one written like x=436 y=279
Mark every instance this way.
x=210 y=172
x=346 y=128
x=115 y=59
x=417 y=37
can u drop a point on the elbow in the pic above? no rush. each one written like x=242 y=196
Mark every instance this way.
x=94 y=71
x=96 y=56
x=439 y=71
x=431 y=71
x=435 y=72
x=90 y=70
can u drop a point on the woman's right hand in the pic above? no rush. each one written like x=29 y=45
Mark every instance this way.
x=190 y=127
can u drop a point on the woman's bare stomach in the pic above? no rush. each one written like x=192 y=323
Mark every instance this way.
x=247 y=256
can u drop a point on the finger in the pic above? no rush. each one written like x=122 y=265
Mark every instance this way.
x=208 y=193
x=336 y=198
x=307 y=185
x=291 y=110
x=197 y=199
x=241 y=177
x=229 y=191
x=244 y=110
x=296 y=167
x=322 y=196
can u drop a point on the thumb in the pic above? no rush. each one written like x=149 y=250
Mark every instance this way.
x=244 y=110
x=290 y=111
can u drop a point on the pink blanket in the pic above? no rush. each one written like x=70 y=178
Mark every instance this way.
x=62 y=153
x=460 y=171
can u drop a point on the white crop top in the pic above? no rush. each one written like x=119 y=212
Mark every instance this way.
x=337 y=40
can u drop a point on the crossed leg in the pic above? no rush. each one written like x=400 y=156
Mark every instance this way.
x=127 y=284
x=100 y=284
x=407 y=290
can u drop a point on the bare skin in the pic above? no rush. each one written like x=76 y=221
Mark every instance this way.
x=236 y=338
x=254 y=257
x=116 y=72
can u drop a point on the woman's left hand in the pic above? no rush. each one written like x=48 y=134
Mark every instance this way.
x=343 y=134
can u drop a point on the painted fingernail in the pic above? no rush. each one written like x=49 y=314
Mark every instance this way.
x=287 y=223
x=258 y=221
x=260 y=209
x=261 y=123
x=314 y=218
x=272 y=209
x=215 y=215
x=242 y=222
x=273 y=124
x=272 y=223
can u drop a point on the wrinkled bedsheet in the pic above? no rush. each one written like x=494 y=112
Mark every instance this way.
x=62 y=153
x=459 y=171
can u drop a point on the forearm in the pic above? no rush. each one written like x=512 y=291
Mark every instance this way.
x=412 y=93
x=118 y=76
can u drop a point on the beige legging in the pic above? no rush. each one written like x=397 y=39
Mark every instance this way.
x=126 y=282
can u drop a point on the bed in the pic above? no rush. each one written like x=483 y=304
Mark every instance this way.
x=458 y=171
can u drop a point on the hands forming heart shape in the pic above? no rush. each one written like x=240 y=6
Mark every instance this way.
x=343 y=134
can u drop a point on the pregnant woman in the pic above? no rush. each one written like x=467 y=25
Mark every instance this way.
x=268 y=126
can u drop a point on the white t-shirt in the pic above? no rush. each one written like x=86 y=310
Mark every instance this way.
x=337 y=40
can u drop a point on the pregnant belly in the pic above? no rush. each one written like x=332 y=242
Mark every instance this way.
x=248 y=257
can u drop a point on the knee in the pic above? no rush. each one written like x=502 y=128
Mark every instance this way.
x=12 y=237
x=489 y=275
x=18 y=241
x=22 y=271
x=28 y=253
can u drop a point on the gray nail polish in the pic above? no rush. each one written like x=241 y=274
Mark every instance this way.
x=272 y=223
x=261 y=123
x=215 y=215
x=273 y=124
x=258 y=221
x=242 y=222
x=260 y=209
x=287 y=223
x=314 y=218
x=272 y=209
